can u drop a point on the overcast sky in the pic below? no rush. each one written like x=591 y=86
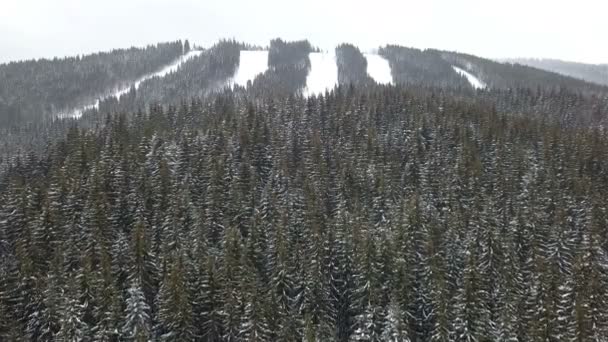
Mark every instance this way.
x=569 y=30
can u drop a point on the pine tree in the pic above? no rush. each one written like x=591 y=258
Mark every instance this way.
x=72 y=325
x=44 y=322
x=208 y=298
x=174 y=304
x=142 y=265
x=394 y=326
x=254 y=326
x=137 y=325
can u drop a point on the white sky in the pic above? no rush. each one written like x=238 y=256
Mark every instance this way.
x=564 y=29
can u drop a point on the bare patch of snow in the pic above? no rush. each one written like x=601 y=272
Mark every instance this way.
x=117 y=93
x=378 y=68
x=251 y=64
x=323 y=74
x=475 y=82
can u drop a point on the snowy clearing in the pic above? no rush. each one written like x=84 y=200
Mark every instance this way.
x=251 y=64
x=378 y=68
x=76 y=113
x=323 y=74
x=475 y=82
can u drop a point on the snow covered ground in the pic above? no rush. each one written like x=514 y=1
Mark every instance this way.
x=76 y=113
x=475 y=82
x=323 y=73
x=251 y=64
x=378 y=68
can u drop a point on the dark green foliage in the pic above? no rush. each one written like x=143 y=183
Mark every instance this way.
x=284 y=54
x=352 y=66
x=421 y=67
x=376 y=213
x=288 y=66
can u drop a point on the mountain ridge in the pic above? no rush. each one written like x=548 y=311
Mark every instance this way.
x=216 y=65
x=596 y=73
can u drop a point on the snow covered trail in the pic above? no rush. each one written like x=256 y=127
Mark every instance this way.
x=76 y=113
x=251 y=64
x=475 y=82
x=378 y=68
x=323 y=73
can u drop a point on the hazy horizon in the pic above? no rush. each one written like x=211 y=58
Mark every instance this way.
x=31 y=29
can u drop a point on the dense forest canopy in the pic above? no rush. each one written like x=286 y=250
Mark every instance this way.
x=319 y=219
x=427 y=210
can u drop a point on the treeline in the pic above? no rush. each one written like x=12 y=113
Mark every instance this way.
x=352 y=66
x=563 y=107
x=389 y=214
x=34 y=90
x=559 y=105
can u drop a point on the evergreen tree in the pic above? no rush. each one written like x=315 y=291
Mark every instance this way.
x=137 y=325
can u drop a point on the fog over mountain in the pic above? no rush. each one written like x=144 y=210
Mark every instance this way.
x=494 y=29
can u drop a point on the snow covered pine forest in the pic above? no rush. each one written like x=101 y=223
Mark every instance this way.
x=284 y=193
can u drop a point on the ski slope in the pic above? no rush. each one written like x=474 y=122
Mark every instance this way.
x=378 y=68
x=251 y=64
x=323 y=74
x=117 y=93
x=475 y=82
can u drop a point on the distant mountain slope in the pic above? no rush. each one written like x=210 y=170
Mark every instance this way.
x=441 y=69
x=421 y=67
x=119 y=92
x=508 y=75
x=596 y=73
x=198 y=76
x=35 y=89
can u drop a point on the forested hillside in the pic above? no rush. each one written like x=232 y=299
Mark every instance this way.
x=564 y=107
x=387 y=214
x=434 y=67
x=597 y=73
x=421 y=67
x=507 y=75
x=211 y=71
x=36 y=90
x=199 y=76
x=193 y=209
